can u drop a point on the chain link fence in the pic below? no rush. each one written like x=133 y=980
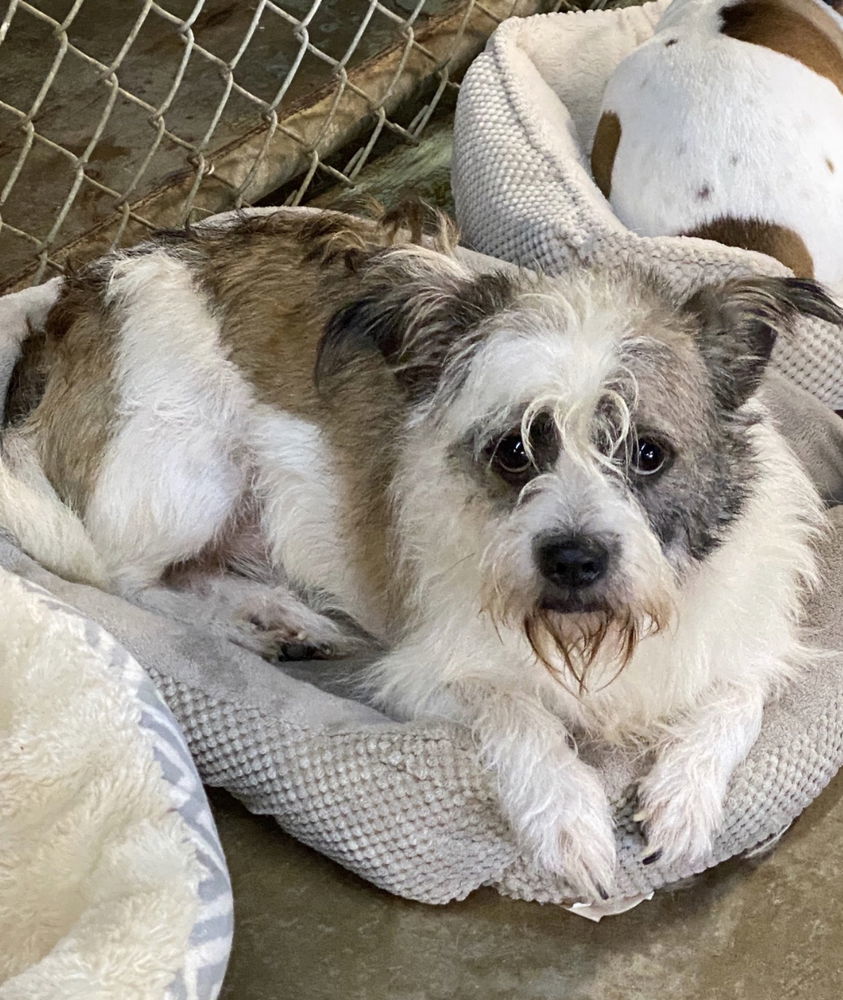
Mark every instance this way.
x=120 y=116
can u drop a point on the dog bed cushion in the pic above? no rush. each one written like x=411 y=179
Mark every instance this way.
x=407 y=806
x=526 y=117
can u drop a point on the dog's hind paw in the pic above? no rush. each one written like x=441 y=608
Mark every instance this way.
x=280 y=626
x=328 y=643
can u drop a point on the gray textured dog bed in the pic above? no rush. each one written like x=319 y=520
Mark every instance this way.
x=407 y=805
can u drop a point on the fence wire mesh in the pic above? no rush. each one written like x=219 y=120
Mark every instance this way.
x=120 y=117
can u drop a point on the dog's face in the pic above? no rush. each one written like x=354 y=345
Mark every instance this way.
x=581 y=443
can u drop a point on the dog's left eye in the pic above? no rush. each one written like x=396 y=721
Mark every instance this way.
x=649 y=457
x=510 y=460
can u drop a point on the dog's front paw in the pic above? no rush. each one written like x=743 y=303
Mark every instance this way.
x=678 y=816
x=570 y=832
x=587 y=856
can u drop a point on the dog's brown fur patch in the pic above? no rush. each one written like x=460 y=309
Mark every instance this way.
x=63 y=389
x=280 y=281
x=606 y=141
x=795 y=28
x=765 y=237
x=273 y=282
x=281 y=277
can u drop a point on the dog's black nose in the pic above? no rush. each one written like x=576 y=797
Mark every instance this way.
x=572 y=562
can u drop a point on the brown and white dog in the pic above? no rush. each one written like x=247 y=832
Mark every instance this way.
x=728 y=125
x=556 y=502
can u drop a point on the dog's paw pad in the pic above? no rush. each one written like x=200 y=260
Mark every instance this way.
x=303 y=650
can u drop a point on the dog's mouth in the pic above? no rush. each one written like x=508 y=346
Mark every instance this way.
x=572 y=604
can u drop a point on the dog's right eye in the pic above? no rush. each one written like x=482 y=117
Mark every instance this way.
x=509 y=458
x=650 y=457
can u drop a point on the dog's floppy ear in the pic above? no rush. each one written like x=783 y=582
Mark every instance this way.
x=417 y=309
x=739 y=321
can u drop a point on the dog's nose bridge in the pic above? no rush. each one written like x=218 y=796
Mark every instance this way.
x=580 y=494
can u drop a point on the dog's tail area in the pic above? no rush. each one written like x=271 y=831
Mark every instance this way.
x=45 y=528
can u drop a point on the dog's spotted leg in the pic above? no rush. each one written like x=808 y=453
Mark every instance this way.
x=681 y=799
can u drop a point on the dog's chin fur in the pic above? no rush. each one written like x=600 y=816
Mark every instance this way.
x=572 y=636
x=568 y=644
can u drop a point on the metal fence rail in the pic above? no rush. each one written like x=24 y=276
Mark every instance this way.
x=119 y=117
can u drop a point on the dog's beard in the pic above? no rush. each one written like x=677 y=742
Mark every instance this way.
x=574 y=643
x=600 y=638
x=587 y=638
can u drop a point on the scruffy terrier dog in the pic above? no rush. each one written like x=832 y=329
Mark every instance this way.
x=557 y=503
x=728 y=125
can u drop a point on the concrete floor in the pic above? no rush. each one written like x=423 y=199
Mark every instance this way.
x=308 y=930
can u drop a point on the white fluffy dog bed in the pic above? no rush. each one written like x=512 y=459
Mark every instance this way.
x=526 y=118
x=112 y=881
